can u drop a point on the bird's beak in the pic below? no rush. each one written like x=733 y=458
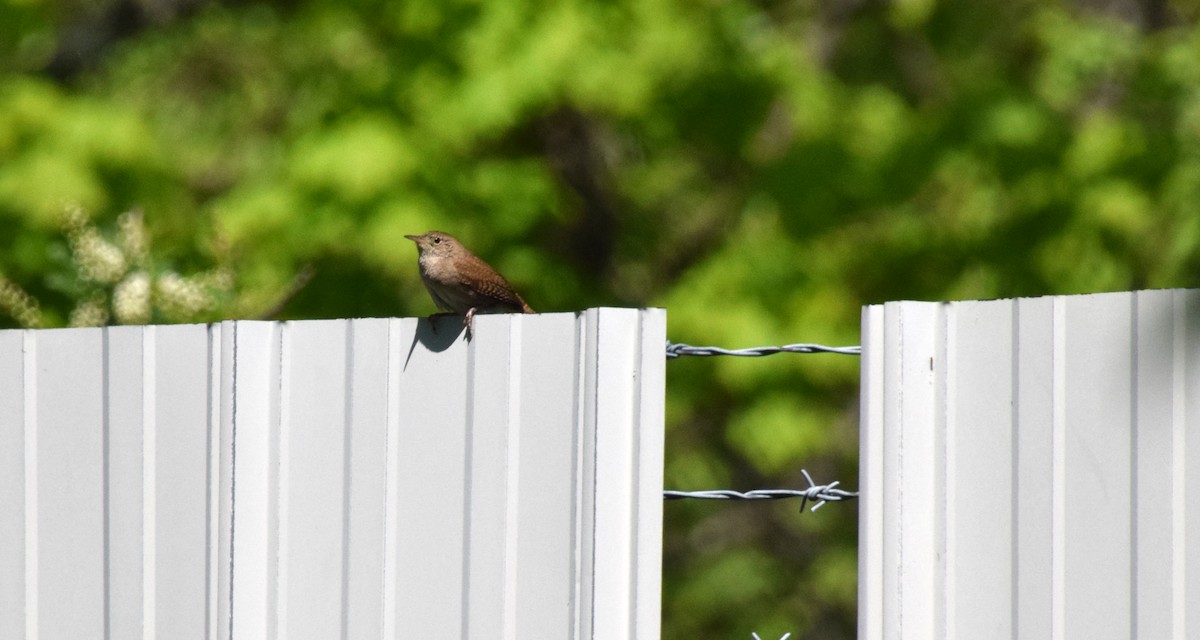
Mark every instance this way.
x=416 y=239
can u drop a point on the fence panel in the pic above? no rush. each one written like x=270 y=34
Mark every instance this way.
x=13 y=514
x=344 y=478
x=1028 y=468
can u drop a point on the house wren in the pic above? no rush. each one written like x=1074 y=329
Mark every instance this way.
x=459 y=282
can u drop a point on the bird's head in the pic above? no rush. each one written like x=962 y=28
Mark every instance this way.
x=435 y=243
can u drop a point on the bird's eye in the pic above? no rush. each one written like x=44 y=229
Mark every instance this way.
x=437 y=240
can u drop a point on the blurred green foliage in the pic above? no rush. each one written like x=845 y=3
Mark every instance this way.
x=762 y=169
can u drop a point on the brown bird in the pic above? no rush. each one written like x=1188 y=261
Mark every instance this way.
x=459 y=282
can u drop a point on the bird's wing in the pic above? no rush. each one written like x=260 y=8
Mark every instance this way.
x=496 y=288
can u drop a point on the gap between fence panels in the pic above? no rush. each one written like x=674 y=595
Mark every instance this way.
x=820 y=493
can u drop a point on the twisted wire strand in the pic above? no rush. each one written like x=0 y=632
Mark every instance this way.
x=821 y=493
x=677 y=349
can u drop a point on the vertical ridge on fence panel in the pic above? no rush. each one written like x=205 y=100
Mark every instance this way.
x=366 y=483
x=252 y=369
x=920 y=468
x=29 y=363
x=613 y=455
x=587 y=506
x=872 y=501
x=1034 y=593
x=389 y=587
x=545 y=561
x=70 y=484
x=908 y=470
x=1097 y=501
x=1071 y=508
x=12 y=484
x=1186 y=430
x=979 y=464
x=1155 y=327
x=1167 y=485
x=430 y=464
x=650 y=410
x=313 y=477
x=179 y=386
x=126 y=394
x=217 y=539
x=492 y=443
x=222 y=349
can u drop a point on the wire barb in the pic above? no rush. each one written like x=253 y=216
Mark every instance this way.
x=676 y=349
x=822 y=493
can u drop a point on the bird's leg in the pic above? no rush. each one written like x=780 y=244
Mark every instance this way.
x=467 y=321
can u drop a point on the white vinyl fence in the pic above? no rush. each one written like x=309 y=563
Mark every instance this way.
x=334 y=479
x=1031 y=468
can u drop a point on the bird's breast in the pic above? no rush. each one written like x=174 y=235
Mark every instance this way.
x=436 y=268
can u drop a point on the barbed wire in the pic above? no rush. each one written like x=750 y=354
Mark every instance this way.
x=676 y=349
x=822 y=493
